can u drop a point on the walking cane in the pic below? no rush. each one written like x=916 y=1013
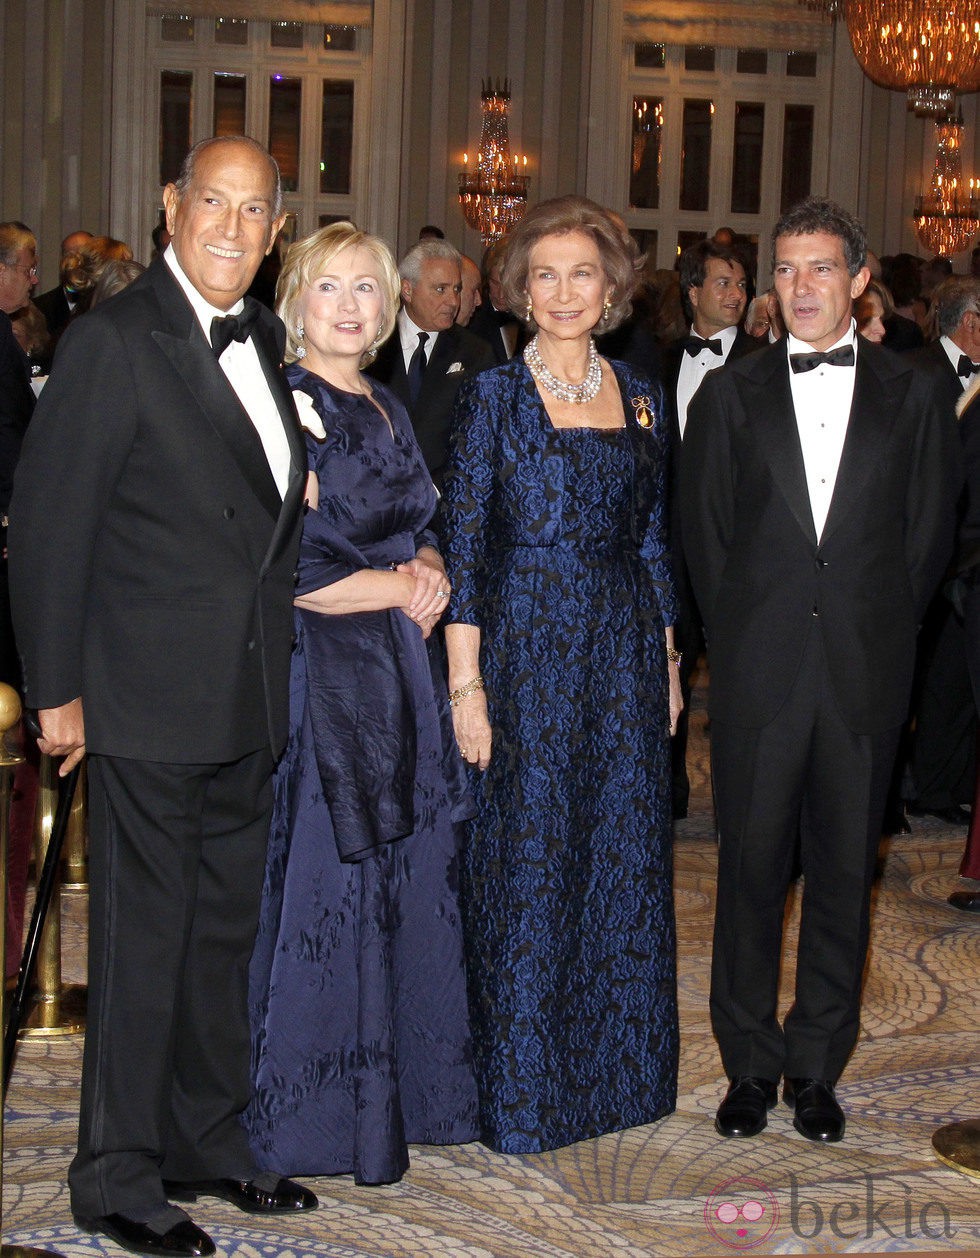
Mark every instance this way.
x=45 y=887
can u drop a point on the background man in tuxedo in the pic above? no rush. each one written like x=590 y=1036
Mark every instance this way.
x=817 y=522
x=713 y=289
x=154 y=533
x=431 y=355
x=57 y=303
x=943 y=746
x=491 y=320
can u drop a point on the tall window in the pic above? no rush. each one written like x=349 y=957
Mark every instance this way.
x=301 y=88
x=720 y=137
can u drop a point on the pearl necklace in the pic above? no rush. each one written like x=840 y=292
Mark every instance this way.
x=562 y=389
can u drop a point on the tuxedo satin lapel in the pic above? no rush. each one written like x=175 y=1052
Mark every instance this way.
x=763 y=386
x=194 y=360
x=877 y=397
x=183 y=341
x=268 y=351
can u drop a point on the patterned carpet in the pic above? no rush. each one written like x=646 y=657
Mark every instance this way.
x=674 y=1188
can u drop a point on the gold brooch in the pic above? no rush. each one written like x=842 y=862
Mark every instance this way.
x=644 y=416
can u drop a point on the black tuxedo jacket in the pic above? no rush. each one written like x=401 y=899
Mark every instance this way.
x=485 y=323
x=54 y=306
x=16 y=406
x=456 y=355
x=673 y=356
x=151 y=557
x=763 y=581
x=949 y=385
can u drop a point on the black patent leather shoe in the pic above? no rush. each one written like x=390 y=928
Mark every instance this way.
x=816 y=1114
x=743 y=1111
x=965 y=901
x=265 y=1194
x=182 y=1239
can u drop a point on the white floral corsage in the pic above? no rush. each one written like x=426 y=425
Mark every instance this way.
x=309 y=420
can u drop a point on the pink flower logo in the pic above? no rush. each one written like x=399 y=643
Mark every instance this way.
x=741 y=1213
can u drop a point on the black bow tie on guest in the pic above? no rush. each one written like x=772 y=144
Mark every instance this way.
x=695 y=344
x=228 y=328
x=967 y=367
x=842 y=356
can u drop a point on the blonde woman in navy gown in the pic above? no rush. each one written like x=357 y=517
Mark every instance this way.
x=358 y=1002
x=565 y=690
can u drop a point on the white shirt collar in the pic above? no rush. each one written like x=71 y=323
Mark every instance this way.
x=202 y=308
x=408 y=333
x=795 y=346
x=725 y=335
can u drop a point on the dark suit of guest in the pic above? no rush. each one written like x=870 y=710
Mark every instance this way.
x=16 y=408
x=54 y=306
x=969 y=563
x=502 y=331
x=152 y=559
x=688 y=629
x=811 y=644
x=456 y=355
x=944 y=740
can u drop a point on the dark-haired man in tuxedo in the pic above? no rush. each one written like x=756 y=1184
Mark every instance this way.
x=154 y=533
x=817 y=522
x=713 y=290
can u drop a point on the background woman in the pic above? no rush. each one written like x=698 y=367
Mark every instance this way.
x=558 y=647
x=358 y=998
x=871 y=309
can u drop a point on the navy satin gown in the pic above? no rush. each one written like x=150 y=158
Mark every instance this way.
x=357 y=993
x=554 y=540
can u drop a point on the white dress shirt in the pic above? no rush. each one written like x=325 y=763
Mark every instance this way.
x=240 y=363
x=954 y=354
x=408 y=335
x=822 y=401
x=694 y=368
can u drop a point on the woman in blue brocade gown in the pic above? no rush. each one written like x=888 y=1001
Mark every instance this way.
x=357 y=993
x=559 y=641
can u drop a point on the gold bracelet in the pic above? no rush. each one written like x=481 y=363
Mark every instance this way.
x=673 y=656
x=471 y=686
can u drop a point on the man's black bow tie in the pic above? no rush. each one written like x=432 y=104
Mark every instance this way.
x=230 y=328
x=695 y=344
x=842 y=356
x=967 y=367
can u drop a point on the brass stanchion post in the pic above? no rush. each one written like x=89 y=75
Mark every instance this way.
x=76 y=860
x=55 y=1009
x=9 y=716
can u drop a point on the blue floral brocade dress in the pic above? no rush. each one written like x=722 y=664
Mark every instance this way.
x=357 y=993
x=554 y=540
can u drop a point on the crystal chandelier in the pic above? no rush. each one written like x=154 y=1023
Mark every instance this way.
x=928 y=48
x=494 y=196
x=947 y=217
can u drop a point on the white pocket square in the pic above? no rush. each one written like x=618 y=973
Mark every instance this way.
x=455 y=369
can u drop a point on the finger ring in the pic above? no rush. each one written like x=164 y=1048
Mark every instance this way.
x=462 y=751
x=442 y=593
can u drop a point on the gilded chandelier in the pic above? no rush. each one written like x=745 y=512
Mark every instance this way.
x=928 y=48
x=947 y=217
x=494 y=196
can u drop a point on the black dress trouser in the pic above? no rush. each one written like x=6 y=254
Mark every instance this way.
x=177 y=859
x=804 y=774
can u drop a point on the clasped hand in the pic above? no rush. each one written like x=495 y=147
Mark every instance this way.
x=430 y=596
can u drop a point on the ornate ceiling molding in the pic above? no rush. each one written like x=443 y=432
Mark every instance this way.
x=780 y=25
x=339 y=12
